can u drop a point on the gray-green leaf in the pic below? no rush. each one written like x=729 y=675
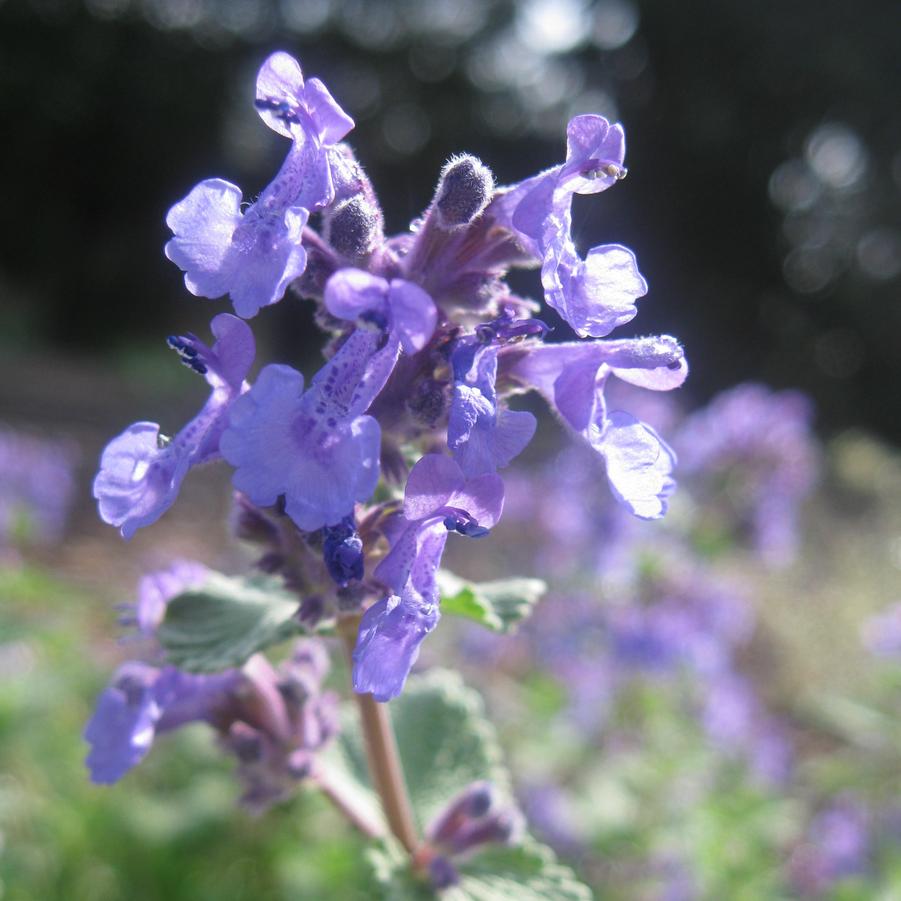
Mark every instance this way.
x=444 y=738
x=499 y=605
x=527 y=872
x=222 y=622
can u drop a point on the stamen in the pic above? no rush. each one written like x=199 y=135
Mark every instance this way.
x=191 y=350
x=606 y=170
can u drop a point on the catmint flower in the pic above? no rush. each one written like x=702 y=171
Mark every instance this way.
x=571 y=377
x=140 y=703
x=254 y=254
x=400 y=308
x=482 y=436
x=273 y=720
x=140 y=471
x=438 y=499
x=597 y=294
x=314 y=447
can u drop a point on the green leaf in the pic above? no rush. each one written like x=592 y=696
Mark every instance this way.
x=499 y=605
x=222 y=622
x=527 y=872
x=446 y=742
x=444 y=738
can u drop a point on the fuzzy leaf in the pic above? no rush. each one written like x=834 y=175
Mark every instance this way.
x=528 y=872
x=445 y=741
x=221 y=623
x=499 y=605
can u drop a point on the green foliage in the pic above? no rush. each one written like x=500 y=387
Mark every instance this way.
x=171 y=829
x=526 y=872
x=446 y=742
x=499 y=605
x=444 y=738
x=224 y=621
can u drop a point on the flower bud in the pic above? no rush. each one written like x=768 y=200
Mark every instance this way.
x=354 y=227
x=465 y=188
x=471 y=804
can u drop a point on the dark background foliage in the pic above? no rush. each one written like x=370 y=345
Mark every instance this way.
x=763 y=201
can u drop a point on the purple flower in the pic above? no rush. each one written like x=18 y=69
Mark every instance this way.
x=761 y=442
x=837 y=846
x=140 y=702
x=438 y=498
x=399 y=307
x=140 y=471
x=304 y=111
x=273 y=721
x=253 y=255
x=314 y=447
x=482 y=437
x=571 y=377
x=597 y=294
x=881 y=634
x=37 y=486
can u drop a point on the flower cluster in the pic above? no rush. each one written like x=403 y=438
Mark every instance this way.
x=272 y=720
x=428 y=345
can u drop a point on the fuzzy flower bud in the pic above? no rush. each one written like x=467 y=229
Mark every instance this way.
x=465 y=189
x=354 y=227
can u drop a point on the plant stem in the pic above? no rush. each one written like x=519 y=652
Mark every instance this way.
x=345 y=802
x=382 y=756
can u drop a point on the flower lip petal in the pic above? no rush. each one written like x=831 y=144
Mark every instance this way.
x=431 y=484
x=333 y=123
x=280 y=86
x=413 y=313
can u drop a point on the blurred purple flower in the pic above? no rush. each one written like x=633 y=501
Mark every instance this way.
x=37 y=487
x=837 y=846
x=761 y=442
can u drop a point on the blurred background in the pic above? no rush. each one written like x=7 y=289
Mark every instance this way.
x=764 y=205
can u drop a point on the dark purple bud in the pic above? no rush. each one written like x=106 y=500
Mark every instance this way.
x=471 y=804
x=503 y=827
x=342 y=551
x=428 y=402
x=246 y=742
x=442 y=873
x=465 y=189
x=354 y=227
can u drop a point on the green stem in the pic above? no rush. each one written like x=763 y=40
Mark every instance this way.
x=381 y=753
